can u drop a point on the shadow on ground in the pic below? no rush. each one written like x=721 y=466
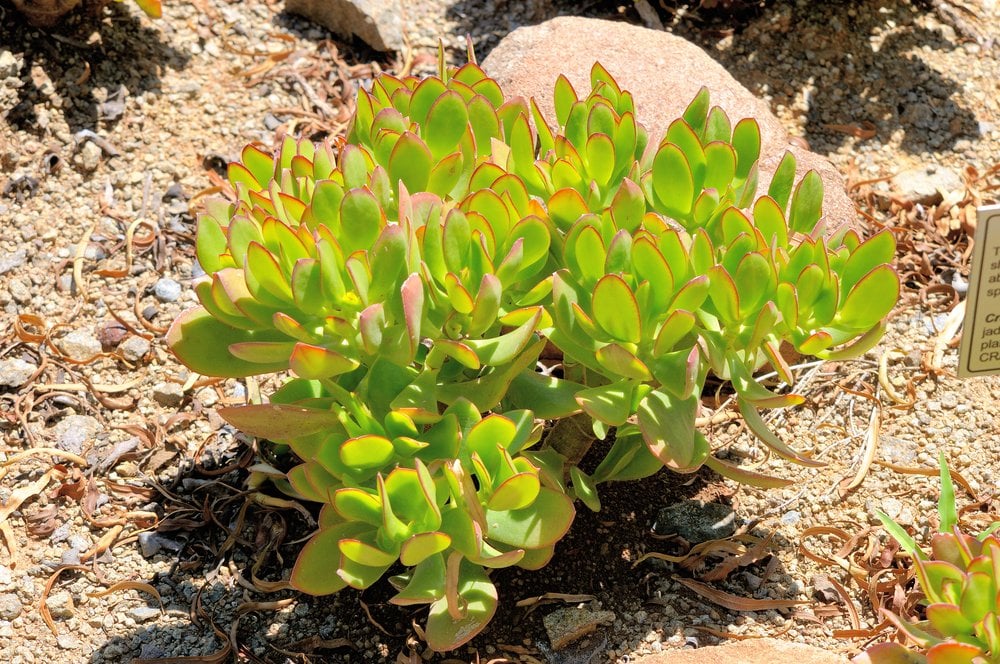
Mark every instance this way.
x=211 y=606
x=864 y=65
x=89 y=64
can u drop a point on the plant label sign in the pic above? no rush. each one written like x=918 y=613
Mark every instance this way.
x=979 y=354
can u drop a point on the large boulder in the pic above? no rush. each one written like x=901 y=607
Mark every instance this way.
x=664 y=73
x=378 y=23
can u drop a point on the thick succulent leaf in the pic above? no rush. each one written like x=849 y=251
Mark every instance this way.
x=807 y=204
x=783 y=181
x=880 y=248
x=278 y=422
x=622 y=362
x=478 y=596
x=696 y=113
x=537 y=526
x=667 y=425
x=955 y=653
x=549 y=397
x=889 y=653
x=871 y=299
x=152 y=8
x=564 y=97
x=410 y=162
x=948 y=619
x=979 y=596
x=515 y=492
x=422 y=585
x=628 y=459
x=585 y=489
x=422 y=547
x=611 y=404
x=616 y=310
x=368 y=451
x=746 y=142
x=315 y=568
x=503 y=349
x=316 y=362
x=673 y=182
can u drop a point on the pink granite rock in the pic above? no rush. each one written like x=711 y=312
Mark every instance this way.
x=750 y=651
x=664 y=73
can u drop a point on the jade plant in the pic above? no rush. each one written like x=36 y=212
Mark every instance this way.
x=960 y=581
x=407 y=278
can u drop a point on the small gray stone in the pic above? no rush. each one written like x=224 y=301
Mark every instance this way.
x=9 y=66
x=10 y=606
x=927 y=185
x=167 y=290
x=564 y=626
x=168 y=394
x=790 y=518
x=20 y=291
x=152 y=543
x=134 y=348
x=67 y=641
x=143 y=614
x=696 y=521
x=6 y=576
x=15 y=372
x=60 y=605
x=11 y=260
x=80 y=345
x=89 y=157
x=71 y=432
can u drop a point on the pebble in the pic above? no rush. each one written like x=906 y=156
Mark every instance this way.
x=134 y=348
x=89 y=157
x=142 y=614
x=60 y=604
x=20 y=291
x=926 y=185
x=12 y=259
x=167 y=290
x=9 y=66
x=15 y=372
x=80 y=345
x=67 y=641
x=152 y=543
x=10 y=606
x=168 y=394
x=696 y=521
x=566 y=625
x=71 y=432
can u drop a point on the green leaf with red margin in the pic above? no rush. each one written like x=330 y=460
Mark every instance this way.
x=152 y=8
x=202 y=343
x=478 y=603
x=313 y=572
x=315 y=362
x=667 y=425
x=540 y=525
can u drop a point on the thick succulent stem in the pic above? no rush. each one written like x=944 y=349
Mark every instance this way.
x=571 y=437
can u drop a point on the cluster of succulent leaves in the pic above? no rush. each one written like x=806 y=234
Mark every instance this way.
x=410 y=276
x=960 y=581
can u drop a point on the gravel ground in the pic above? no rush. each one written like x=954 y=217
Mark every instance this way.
x=113 y=132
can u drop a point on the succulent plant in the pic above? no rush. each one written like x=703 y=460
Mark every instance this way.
x=960 y=581
x=410 y=275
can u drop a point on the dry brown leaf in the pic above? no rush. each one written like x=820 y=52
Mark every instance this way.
x=20 y=495
x=129 y=585
x=554 y=597
x=735 y=602
x=868 y=454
